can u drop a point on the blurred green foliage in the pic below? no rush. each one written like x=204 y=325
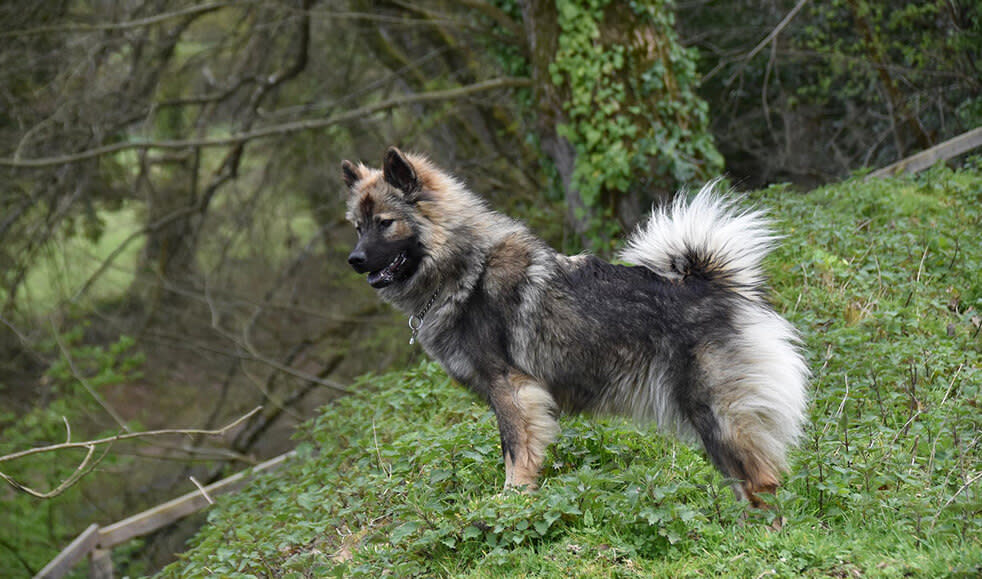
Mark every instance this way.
x=34 y=530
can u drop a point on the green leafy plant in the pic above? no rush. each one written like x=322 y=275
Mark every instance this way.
x=404 y=478
x=616 y=137
x=33 y=530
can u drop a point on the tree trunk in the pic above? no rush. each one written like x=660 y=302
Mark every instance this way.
x=542 y=32
x=617 y=110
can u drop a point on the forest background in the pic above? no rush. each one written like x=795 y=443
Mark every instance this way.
x=172 y=243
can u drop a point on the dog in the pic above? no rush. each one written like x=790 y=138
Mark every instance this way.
x=684 y=338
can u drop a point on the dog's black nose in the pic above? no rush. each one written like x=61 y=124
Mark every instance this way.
x=357 y=259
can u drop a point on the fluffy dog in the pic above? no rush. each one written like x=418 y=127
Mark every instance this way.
x=684 y=338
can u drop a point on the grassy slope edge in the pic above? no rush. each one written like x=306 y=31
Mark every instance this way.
x=882 y=278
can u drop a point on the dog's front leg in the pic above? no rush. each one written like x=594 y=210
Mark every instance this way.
x=527 y=422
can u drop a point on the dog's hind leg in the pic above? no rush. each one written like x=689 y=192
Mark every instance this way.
x=527 y=422
x=732 y=448
x=745 y=399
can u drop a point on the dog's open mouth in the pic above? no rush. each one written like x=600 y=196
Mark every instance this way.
x=385 y=276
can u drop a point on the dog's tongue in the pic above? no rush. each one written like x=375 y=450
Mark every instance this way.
x=384 y=276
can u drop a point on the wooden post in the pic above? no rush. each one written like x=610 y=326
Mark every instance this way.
x=164 y=514
x=97 y=542
x=101 y=564
x=73 y=553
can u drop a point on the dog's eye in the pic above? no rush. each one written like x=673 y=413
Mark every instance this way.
x=385 y=223
x=358 y=229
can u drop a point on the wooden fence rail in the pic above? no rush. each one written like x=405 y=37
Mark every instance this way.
x=97 y=542
x=961 y=144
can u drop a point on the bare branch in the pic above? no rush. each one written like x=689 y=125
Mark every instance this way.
x=969 y=483
x=760 y=45
x=87 y=465
x=127 y=25
x=81 y=470
x=129 y=436
x=106 y=263
x=274 y=130
x=777 y=29
x=202 y=490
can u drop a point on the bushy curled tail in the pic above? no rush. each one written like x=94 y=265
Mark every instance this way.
x=706 y=237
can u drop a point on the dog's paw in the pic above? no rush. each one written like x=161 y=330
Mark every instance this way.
x=518 y=489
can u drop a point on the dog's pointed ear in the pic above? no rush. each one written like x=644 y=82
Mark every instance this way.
x=399 y=173
x=350 y=173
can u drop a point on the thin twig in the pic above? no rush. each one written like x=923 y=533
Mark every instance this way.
x=920 y=266
x=81 y=470
x=767 y=39
x=129 y=436
x=777 y=29
x=202 y=490
x=378 y=452
x=87 y=465
x=952 y=498
x=85 y=383
x=842 y=406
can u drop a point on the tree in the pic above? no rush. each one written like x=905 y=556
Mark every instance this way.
x=617 y=109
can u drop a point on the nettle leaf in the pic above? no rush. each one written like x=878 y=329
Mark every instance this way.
x=471 y=532
x=403 y=531
x=439 y=475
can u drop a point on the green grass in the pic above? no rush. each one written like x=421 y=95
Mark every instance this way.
x=883 y=280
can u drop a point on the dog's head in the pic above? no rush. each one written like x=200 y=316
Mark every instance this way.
x=382 y=207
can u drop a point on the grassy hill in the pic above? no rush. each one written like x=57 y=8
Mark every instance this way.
x=884 y=280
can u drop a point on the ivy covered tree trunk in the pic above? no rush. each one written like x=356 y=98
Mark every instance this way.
x=617 y=109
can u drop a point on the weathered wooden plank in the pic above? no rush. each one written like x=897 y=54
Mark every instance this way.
x=942 y=152
x=101 y=564
x=164 y=514
x=71 y=555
